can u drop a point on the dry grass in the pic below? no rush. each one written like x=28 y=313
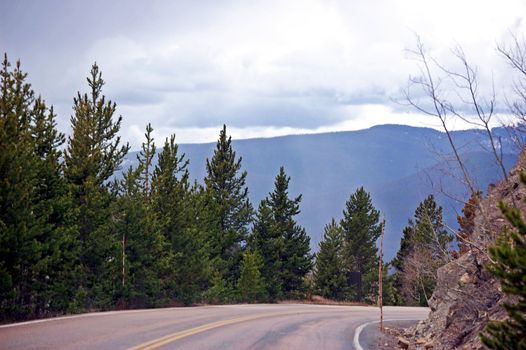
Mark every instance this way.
x=318 y=300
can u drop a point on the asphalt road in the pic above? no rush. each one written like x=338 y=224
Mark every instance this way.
x=277 y=326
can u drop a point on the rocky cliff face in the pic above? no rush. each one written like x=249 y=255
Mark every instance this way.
x=467 y=296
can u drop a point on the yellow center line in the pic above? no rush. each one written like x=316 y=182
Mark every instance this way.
x=156 y=343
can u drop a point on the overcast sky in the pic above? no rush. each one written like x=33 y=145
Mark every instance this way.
x=264 y=68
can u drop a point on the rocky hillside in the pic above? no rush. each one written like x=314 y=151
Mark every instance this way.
x=467 y=296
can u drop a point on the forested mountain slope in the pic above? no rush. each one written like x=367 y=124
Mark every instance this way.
x=399 y=165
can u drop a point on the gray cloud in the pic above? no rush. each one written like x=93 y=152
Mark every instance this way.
x=266 y=67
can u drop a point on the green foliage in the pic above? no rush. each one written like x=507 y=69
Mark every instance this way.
x=250 y=284
x=361 y=229
x=424 y=247
x=37 y=250
x=58 y=267
x=145 y=258
x=145 y=158
x=179 y=209
x=92 y=156
x=509 y=254
x=284 y=245
x=220 y=291
x=229 y=204
x=390 y=295
x=269 y=242
x=329 y=276
x=296 y=258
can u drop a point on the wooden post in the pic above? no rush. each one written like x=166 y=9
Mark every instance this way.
x=380 y=277
x=123 y=259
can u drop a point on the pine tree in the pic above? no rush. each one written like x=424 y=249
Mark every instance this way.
x=170 y=185
x=145 y=158
x=329 y=276
x=179 y=210
x=37 y=249
x=145 y=255
x=250 y=284
x=58 y=269
x=430 y=231
x=361 y=229
x=424 y=247
x=269 y=241
x=296 y=259
x=19 y=229
x=509 y=254
x=229 y=203
x=92 y=156
x=407 y=245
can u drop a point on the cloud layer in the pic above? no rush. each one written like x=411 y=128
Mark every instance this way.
x=264 y=68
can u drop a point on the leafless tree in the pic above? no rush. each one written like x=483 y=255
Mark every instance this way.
x=454 y=94
x=515 y=54
x=419 y=276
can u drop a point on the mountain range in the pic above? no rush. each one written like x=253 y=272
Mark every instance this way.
x=399 y=165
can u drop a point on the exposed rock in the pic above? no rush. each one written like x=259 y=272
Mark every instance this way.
x=466 y=296
x=403 y=343
x=421 y=341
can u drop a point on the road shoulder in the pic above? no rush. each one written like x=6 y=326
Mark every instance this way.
x=372 y=338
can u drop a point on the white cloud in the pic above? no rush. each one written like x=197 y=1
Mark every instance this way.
x=264 y=68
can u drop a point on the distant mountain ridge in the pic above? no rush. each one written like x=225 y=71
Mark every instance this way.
x=400 y=165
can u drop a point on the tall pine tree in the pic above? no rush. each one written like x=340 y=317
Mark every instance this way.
x=35 y=220
x=178 y=209
x=94 y=152
x=288 y=239
x=361 y=229
x=229 y=204
x=58 y=269
x=145 y=257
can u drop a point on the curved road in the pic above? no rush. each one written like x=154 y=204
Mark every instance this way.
x=278 y=326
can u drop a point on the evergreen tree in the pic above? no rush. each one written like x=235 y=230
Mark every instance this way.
x=390 y=295
x=145 y=158
x=361 y=229
x=250 y=284
x=145 y=256
x=424 y=247
x=229 y=203
x=36 y=247
x=58 y=268
x=329 y=276
x=269 y=241
x=509 y=254
x=20 y=249
x=407 y=245
x=170 y=185
x=92 y=156
x=179 y=211
x=194 y=261
x=296 y=259
x=430 y=231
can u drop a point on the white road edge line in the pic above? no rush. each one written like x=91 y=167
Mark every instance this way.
x=360 y=328
x=90 y=314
